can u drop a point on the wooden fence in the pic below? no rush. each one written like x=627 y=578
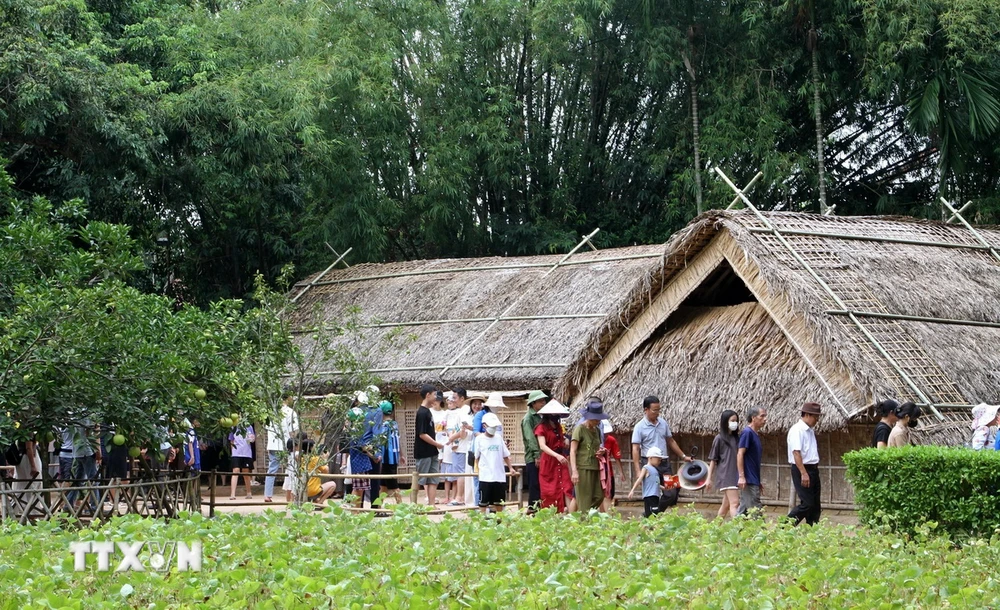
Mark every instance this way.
x=161 y=496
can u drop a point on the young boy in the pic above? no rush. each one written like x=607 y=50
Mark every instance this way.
x=649 y=476
x=491 y=456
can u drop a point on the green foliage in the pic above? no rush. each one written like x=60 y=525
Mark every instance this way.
x=950 y=489
x=79 y=343
x=247 y=135
x=308 y=560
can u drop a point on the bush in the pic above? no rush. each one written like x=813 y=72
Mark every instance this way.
x=950 y=488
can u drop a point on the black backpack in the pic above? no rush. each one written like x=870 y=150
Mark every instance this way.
x=14 y=453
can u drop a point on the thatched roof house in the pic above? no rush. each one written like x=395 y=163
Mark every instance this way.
x=736 y=310
x=736 y=318
x=491 y=323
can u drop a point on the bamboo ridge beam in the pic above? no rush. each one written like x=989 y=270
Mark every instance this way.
x=465 y=321
x=592 y=261
x=431 y=367
x=908 y=318
x=872 y=238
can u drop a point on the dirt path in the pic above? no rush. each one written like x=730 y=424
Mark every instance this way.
x=628 y=510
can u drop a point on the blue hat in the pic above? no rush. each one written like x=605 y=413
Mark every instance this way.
x=594 y=410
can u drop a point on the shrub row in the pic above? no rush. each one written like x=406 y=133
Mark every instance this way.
x=953 y=489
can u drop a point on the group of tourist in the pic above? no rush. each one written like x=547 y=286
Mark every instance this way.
x=735 y=463
x=569 y=470
x=459 y=438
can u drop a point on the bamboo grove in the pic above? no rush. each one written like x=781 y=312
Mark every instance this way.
x=240 y=136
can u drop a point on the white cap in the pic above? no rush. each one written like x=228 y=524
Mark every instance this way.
x=490 y=420
x=654 y=452
x=606 y=426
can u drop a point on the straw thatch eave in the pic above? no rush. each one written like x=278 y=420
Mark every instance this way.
x=455 y=300
x=708 y=359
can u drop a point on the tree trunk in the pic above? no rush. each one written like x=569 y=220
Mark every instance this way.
x=814 y=40
x=696 y=130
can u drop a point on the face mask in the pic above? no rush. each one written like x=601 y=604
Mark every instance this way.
x=491 y=430
x=733 y=426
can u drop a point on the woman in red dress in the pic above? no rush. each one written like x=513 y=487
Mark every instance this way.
x=553 y=468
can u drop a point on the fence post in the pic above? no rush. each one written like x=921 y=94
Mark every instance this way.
x=414 y=487
x=211 y=496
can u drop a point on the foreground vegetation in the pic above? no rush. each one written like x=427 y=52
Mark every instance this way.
x=336 y=560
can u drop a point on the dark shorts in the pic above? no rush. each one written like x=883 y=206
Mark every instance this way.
x=651 y=505
x=241 y=462
x=389 y=469
x=116 y=463
x=491 y=493
x=428 y=465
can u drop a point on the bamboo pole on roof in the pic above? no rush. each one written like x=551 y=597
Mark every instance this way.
x=746 y=188
x=961 y=210
x=908 y=318
x=301 y=331
x=833 y=295
x=977 y=234
x=335 y=253
x=872 y=238
x=320 y=276
x=592 y=261
x=514 y=304
x=431 y=367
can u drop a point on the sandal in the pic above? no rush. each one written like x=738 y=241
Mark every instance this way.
x=232 y=497
x=268 y=500
x=249 y=497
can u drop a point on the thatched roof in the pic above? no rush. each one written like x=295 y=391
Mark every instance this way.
x=872 y=272
x=455 y=291
x=704 y=360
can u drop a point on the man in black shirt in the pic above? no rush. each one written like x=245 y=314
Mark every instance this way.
x=887 y=411
x=425 y=447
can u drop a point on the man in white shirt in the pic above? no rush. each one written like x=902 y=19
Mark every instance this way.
x=282 y=428
x=803 y=456
x=459 y=428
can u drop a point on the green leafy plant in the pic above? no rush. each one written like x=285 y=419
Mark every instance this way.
x=951 y=489
x=80 y=344
x=304 y=559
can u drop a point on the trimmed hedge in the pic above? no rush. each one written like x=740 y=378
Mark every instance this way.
x=952 y=489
